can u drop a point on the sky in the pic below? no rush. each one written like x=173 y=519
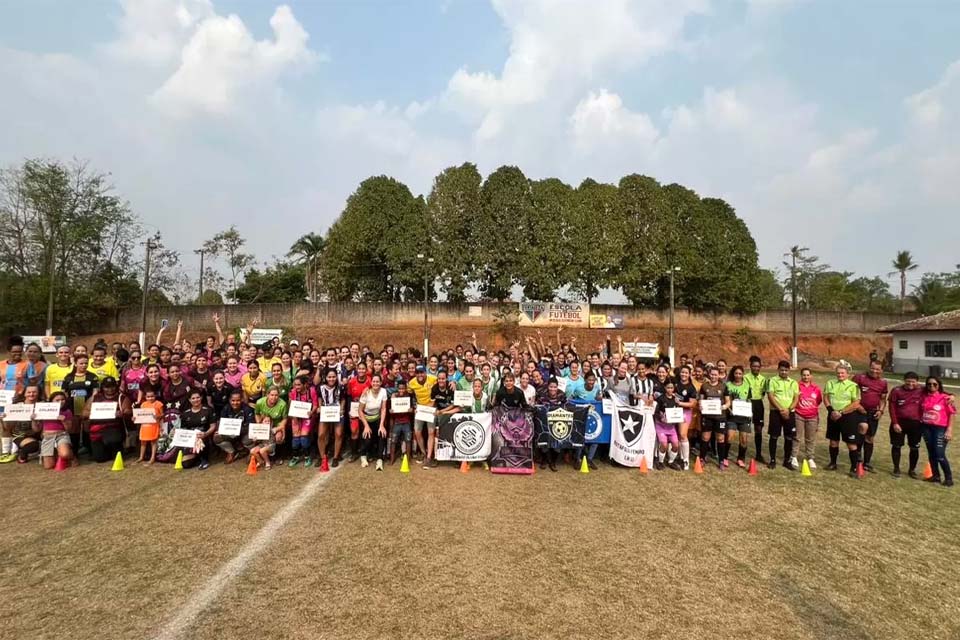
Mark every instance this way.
x=832 y=125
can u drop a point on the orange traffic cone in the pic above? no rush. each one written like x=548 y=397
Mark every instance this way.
x=643 y=465
x=324 y=465
x=252 y=467
x=533 y=468
x=860 y=471
x=62 y=464
x=464 y=467
x=697 y=466
x=927 y=472
x=752 y=471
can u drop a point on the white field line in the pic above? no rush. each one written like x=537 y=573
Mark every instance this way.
x=199 y=600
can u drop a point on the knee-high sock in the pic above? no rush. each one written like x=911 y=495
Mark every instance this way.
x=6 y=446
x=914 y=457
x=787 y=449
x=742 y=453
x=854 y=459
x=685 y=451
x=758 y=441
x=895 y=454
x=867 y=452
x=834 y=454
x=772 y=446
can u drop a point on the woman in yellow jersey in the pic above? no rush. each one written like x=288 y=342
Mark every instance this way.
x=842 y=397
x=253 y=383
x=54 y=374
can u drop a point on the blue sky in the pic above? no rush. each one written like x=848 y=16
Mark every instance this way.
x=828 y=124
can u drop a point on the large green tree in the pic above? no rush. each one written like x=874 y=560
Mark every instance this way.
x=506 y=199
x=280 y=282
x=595 y=239
x=453 y=209
x=545 y=259
x=646 y=232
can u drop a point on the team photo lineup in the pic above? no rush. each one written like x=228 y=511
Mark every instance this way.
x=304 y=404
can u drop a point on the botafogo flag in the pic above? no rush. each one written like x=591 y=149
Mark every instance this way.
x=632 y=435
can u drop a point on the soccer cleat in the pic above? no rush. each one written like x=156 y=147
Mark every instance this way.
x=913 y=474
x=364 y=463
x=772 y=464
x=307 y=462
x=933 y=479
x=676 y=465
x=379 y=465
x=335 y=463
x=948 y=482
x=812 y=464
x=204 y=465
x=741 y=463
x=686 y=465
x=896 y=473
x=658 y=465
x=832 y=466
x=294 y=461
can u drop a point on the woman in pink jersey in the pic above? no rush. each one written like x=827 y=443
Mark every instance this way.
x=132 y=377
x=937 y=419
x=808 y=416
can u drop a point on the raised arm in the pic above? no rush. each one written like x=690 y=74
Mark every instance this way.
x=218 y=328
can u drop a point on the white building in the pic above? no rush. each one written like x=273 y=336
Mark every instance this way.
x=927 y=344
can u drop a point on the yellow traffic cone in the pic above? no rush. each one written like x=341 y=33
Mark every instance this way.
x=179 y=465
x=118 y=463
x=404 y=465
x=583 y=465
x=805 y=470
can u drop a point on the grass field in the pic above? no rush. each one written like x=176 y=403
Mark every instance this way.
x=151 y=552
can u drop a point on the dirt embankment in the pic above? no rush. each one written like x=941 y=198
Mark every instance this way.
x=735 y=347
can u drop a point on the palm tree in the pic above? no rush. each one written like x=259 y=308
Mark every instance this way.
x=901 y=264
x=306 y=250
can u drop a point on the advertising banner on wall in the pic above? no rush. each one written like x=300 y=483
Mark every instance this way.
x=554 y=314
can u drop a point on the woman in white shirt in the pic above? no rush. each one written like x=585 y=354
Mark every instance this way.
x=529 y=391
x=373 y=421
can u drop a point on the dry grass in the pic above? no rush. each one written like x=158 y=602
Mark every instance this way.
x=442 y=554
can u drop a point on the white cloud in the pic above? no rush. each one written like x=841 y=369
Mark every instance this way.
x=154 y=31
x=222 y=61
x=602 y=116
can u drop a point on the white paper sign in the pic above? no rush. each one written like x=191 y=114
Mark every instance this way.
x=399 y=405
x=6 y=397
x=710 y=406
x=607 y=406
x=18 y=413
x=463 y=398
x=144 y=416
x=562 y=384
x=742 y=408
x=229 y=426
x=47 y=411
x=674 y=415
x=259 y=431
x=425 y=413
x=300 y=409
x=354 y=409
x=103 y=411
x=185 y=438
x=330 y=414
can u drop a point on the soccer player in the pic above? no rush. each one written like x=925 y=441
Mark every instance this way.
x=739 y=389
x=666 y=432
x=54 y=374
x=783 y=393
x=873 y=400
x=687 y=394
x=758 y=387
x=422 y=385
x=842 y=397
x=905 y=414
x=713 y=424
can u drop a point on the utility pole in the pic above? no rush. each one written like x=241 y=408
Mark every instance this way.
x=146 y=287
x=426 y=293
x=53 y=276
x=200 y=293
x=793 y=299
x=671 y=349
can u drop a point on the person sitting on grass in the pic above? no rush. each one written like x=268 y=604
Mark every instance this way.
x=401 y=422
x=150 y=431
x=55 y=442
x=236 y=409
x=23 y=432
x=270 y=410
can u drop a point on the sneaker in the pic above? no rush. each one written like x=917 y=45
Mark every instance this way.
x=294 y=461
x=933 y=479
x=726 y=464
x=896 y=473
x=853 y=474
x=686 y=465
x=741 y=463
x=790 y=464
x=948 y=482
x=592 y=464
x=204 y=465
x=4 y=459
x=772 y=464
x=913 y=474
x=21 y=460
x=364 y=463
x=353 y=457
x=657 y=465
x=812 y=464
x=379 y=465
x=552 y=465
x=832 y=466
x=676 y=465
x=335 y=463
x=794 y=463
x=429 y=464
x=869 y=467
x=307 y=462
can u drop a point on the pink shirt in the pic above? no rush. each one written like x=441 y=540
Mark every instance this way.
x=132 y=379
x=811 y=397
x=937 y=409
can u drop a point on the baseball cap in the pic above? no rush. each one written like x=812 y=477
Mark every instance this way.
x=421 y=368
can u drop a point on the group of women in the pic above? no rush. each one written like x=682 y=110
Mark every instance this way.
x=307 y=405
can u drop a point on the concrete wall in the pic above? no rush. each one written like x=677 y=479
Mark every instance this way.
x=396 y=315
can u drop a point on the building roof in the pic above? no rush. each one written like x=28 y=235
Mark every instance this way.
x=946 y=321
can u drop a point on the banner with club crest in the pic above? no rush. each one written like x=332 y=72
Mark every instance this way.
x=597 y=427
x=464 y=437
x=560 y=427
x=632 y=436
x=511 y=443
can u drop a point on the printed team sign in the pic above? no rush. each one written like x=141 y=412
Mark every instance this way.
x=463 y=398
x=48 y=344
x=230 y=426
x=103 y=410
x=554 y=314
x=144 y=416
x=330 y=413
x=300 y=409
x=464 y=437
x=186 y=438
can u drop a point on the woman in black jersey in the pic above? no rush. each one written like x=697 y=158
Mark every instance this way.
x=712 y=422
x=200 y=418
x=686 y=394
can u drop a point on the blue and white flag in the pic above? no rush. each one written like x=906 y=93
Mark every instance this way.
x=597 y=430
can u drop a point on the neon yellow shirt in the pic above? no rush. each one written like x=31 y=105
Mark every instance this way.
x=783 y=390
x=841 y=395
